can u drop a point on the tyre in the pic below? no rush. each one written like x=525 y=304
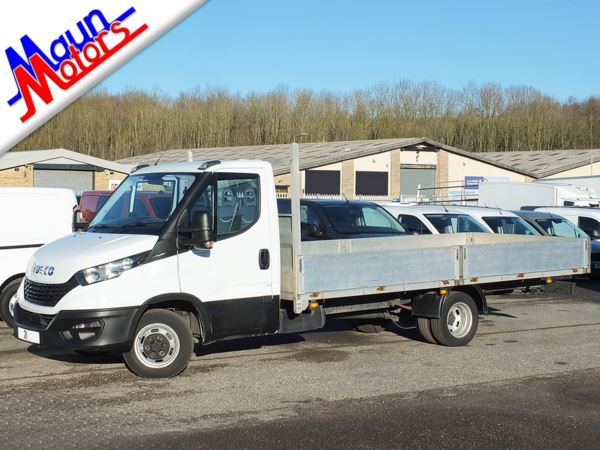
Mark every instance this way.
x=9 y=291
x=458 y=322
x=369 y=325
x=162 y=346
x=424 y=325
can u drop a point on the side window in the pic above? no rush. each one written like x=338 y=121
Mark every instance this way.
x=590 y=226
x=238 y=203
x=413 y=224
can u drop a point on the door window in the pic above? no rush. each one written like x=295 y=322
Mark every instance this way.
x=231 y=201
x=590 y=226
x=413 y=224
x=237 y=203
x=308 y=217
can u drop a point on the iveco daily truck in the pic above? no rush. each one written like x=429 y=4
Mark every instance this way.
x=220 y=263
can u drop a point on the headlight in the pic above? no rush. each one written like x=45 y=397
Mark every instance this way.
x=110 y=270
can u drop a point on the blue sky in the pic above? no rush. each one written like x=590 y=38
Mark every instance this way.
x=258 y=45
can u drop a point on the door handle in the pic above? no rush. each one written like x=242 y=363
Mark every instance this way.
x=264 y=259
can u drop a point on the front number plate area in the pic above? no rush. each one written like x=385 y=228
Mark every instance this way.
x=28 y=335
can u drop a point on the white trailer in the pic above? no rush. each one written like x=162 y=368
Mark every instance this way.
x=222 y=264
x=31 y=217
x=514 y=195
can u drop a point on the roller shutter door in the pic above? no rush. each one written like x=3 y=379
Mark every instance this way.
x=78 y=181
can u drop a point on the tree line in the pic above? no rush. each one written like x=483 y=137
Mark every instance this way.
x=479 y=117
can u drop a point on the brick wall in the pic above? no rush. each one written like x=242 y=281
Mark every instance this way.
x=348 y=178
x=102 y=179
x=441 y=172
x=23 y=177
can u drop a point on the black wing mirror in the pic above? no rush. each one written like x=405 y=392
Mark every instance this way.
x=201 y=230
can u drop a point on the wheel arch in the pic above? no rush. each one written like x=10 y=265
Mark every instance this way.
x=477 y=294
x=184 y=302
x=429 y=304
x=10 y=280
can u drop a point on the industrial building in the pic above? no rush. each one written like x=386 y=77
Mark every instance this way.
x=403 y=168
x=60 y=168
x=396 y=168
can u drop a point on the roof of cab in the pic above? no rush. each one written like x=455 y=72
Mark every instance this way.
x=195 y=166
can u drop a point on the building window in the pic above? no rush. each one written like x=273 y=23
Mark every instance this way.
x=371 y=183
x=326 y=182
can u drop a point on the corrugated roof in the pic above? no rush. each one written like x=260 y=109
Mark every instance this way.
x=545 y=162
x=22 y=158
x=312 y=155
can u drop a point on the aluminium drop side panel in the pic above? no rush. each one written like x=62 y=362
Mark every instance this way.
x=350 y=267
x=491 y=258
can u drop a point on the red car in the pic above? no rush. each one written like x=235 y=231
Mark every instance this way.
x=90 y=202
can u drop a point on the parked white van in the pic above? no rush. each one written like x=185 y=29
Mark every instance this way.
x=497 y=220
x=31 y=217
x=588 y=219
x=433 y=219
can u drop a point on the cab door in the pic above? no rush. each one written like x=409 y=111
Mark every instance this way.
x=233 y=280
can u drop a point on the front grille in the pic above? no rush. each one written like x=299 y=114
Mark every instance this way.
x=47 y=294
x=596 y=257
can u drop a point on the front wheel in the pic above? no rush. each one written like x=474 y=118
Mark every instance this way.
x=162 y=346
x=5 y=296
x=458 y=322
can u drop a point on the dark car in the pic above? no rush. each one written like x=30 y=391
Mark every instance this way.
x=342 y=219
x=549 y=224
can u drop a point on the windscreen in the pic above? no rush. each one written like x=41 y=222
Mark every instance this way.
x=454 y=223
x=510 y=225
x=557 y=226
x=142 y=204
x=349 y=218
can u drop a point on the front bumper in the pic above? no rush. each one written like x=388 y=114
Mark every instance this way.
x=115 y=331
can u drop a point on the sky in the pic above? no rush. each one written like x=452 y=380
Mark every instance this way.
x=256 y=46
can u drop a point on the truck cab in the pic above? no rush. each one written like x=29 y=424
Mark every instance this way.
x=216 y=246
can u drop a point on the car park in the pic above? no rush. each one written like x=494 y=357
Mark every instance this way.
x=37 y=216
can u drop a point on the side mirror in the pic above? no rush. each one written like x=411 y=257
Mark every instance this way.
x=201 y=230
x=595 y=233
x=315 y=231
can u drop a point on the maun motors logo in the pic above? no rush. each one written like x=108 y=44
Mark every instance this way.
x=70 y=57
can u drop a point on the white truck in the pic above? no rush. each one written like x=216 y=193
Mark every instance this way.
x=222 y=264
x=31 y=217
x=514 y=195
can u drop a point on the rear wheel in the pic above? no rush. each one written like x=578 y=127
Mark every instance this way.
x=162 y=346
x=424 y=325
x=7 y=294
x=369 y=325
x=458 y=322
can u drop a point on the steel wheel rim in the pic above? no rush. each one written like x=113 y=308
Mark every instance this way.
x=459 y=320
x=157 y=345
